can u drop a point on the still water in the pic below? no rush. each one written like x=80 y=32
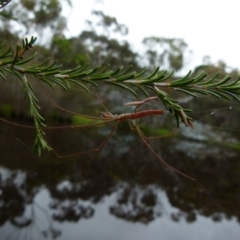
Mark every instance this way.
x=122 y=192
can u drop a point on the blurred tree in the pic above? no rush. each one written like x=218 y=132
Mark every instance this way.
x=95 y=46
x=102 y=48
x=70 y=52
x=34 y=16
x=107 y=22
x=167 y=52
x=211 y=68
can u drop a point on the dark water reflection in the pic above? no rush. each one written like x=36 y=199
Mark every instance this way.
x=122 y=192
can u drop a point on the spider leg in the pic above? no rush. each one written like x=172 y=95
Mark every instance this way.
x=158 y=157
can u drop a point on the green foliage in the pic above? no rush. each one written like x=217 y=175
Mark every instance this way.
x=71 y=51
x=6 y=110
x=17 y=66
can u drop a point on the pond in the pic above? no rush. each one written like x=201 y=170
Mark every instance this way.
x=122 y=192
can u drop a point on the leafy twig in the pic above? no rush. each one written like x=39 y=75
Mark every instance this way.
x=124 y=78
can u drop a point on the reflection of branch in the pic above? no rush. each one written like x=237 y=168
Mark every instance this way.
x=53 y=232
x=29 y=223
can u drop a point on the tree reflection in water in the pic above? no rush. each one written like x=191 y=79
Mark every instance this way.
x=77 y=186
x=136 y=203
x=19 y=208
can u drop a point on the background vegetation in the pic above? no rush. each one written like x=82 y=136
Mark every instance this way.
x=135 y=179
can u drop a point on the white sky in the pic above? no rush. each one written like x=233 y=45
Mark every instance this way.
x=209 y=27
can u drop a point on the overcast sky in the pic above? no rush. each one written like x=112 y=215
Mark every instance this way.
x=209 y=27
